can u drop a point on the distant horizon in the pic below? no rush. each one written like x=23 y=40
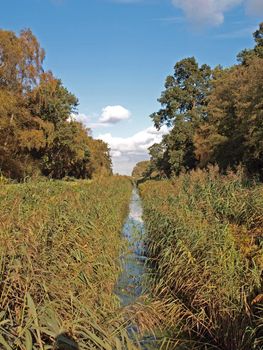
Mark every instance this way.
x=114 y=55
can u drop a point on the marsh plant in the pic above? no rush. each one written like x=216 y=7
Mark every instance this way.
x=204 y=241
x=59 y=262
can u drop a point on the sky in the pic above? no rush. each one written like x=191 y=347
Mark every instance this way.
x=114 y=55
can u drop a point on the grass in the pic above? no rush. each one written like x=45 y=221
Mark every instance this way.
x=59 y=262
x=204 y=240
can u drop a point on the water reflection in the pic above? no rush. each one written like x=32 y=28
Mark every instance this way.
x=130 y=284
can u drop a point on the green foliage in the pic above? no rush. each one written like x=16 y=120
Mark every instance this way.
x=202 y=232
x=184 y=108
x=59 y=262
x=215 y=115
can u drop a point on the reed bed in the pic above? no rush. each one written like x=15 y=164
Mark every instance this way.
x=59 y=262
x=204 y=240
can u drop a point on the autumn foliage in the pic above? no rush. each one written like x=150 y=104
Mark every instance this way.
x=38 y=135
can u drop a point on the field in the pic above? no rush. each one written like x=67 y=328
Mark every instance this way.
x=59 y=262
x=204 y=241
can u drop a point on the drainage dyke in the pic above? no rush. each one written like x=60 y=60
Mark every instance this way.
x=130 y=285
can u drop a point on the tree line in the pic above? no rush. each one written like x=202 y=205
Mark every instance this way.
x=38 y=134
x=215 y=117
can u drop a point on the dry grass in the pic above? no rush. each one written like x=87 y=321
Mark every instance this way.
x=59 y=261
x=203 y=239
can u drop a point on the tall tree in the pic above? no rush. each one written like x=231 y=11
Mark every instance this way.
x=100 y=160
x=233 y=132
x=51 y=101
x=21 y=59
x=68 y=155
x=184 y=107
x=37 y=133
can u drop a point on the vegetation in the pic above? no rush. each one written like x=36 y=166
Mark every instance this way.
x=215 y=116
x=204 y=241
x=140 y=170
x=60 y=240
x=38 y=135
x=59 y=261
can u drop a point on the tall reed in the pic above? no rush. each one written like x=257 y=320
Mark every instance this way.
x=203 y=239
x=59 y=262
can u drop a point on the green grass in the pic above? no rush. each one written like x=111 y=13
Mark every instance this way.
x=59 y=262
x=202 y=238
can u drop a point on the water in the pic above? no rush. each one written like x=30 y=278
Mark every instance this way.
x=130 y=284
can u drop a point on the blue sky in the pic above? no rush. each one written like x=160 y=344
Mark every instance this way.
x=114 y=55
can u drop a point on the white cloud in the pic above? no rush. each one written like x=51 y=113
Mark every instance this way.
x=126 y=152
x=88 y=121
x=114 y=114
x=109 y=116
x=209 y=12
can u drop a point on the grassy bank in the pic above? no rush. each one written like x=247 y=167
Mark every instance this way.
x=59 y=261
x=204 y=239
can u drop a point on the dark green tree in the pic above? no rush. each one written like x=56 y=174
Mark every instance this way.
x=184 y=108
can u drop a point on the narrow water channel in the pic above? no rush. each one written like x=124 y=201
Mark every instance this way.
x=130 y=284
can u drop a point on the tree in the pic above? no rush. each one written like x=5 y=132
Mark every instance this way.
x=233 y=133
x=141 y=169
x=51 y=101
x=37 y=133
x=184 y=107
x=21 y=61
x=246 y=55
x=68 y=155
x=100 y=161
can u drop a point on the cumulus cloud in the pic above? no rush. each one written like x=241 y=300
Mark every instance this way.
x=126 y=152
x=136 y=144
x=110 y=115
x=114 y=114
x=209 y=12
